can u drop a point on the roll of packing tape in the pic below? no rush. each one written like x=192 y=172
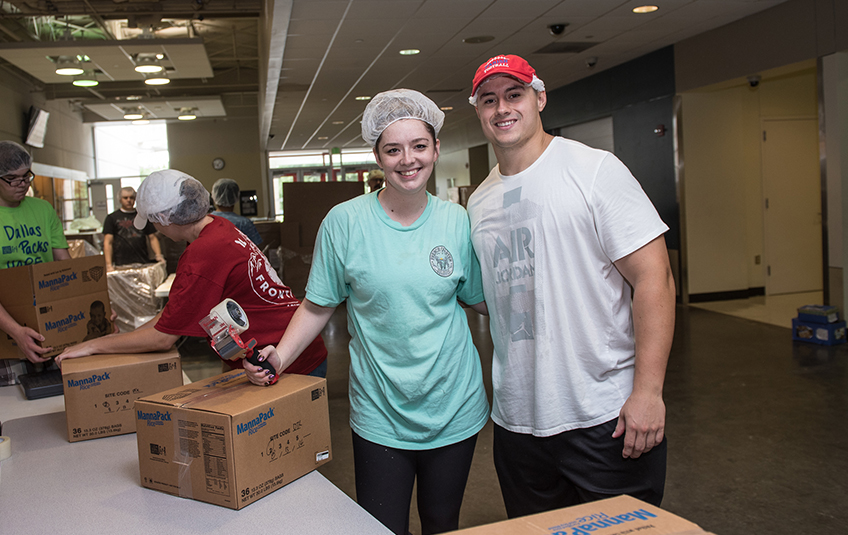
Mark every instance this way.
x=5 y=448
x=232 y=314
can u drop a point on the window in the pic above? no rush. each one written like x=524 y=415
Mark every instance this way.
x=317 y=166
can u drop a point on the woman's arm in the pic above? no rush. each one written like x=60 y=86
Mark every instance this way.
x=307 y=323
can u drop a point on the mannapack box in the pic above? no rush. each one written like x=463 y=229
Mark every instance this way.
x=100 y=390
x=66 y=301
x=613 y=516
x=229 y=442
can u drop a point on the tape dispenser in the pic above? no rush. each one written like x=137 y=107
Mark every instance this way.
x=224 y=323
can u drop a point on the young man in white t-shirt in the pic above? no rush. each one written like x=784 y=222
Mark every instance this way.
x=565 y=236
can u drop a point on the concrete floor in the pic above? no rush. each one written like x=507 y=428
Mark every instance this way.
x=754 y=423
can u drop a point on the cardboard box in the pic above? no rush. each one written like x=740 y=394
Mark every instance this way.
x=57 y=300
x=613 y=516
x=818 y=314
x=100 y=390
x=228 y=442
x=826 y=334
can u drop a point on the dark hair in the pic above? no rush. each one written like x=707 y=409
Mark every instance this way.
x=98 y=304
x=429 y=127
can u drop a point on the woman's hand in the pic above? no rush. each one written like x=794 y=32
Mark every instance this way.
x=259 y=375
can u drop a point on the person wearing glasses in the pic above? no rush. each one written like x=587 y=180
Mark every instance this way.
x=30 y=233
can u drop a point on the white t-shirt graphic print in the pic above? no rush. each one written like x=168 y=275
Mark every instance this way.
x=560 y=312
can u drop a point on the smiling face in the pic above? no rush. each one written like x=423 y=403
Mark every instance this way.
x=509 y=112
x=407 y=153
x=11 y=196
x=98 y=313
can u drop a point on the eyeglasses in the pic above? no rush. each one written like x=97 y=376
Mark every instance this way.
x=18 y=180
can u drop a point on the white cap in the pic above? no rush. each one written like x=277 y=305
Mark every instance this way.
x=391 y=106
x=170 y=197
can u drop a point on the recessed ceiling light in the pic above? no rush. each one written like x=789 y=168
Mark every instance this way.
x=156 y=79
x=478 y=39
x=68 y=66
x=323 y=137
x=147 y=64
x=363 y=97
x=85 y=80
x=133 y=115
x=134 y=97
x=446 y=108
x=338 y=122
x=645 y=9
x=409 y=52
x=187 y=114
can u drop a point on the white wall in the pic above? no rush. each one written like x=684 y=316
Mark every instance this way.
x=452 y=165
x=836 y=100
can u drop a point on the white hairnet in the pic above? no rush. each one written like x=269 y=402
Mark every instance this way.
x=390 y=106
x=225 y=192
x=13 y=157
x=170 y=197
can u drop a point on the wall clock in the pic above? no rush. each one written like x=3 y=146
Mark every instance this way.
x=218 y=164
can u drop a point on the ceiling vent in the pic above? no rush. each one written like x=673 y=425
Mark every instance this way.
x=563 y=47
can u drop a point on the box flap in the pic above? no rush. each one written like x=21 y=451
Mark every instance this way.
x=17 y=286
x=91 y=363
x=622 y=514
x=68 y=278
x=230 y=393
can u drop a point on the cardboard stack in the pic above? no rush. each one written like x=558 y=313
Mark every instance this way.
x=228 y=442
x=100 y=390
x=819 y=324
x=57 y=299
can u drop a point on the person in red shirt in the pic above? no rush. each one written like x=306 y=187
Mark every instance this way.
x=219 y=262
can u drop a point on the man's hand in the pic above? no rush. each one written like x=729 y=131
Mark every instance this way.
x=112 y=318
x=27 y=340
x=642 y=422
x=82 y=349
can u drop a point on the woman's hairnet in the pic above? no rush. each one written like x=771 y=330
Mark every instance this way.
x=13 y=157
x=390 y=106
x=170 y=197
x=225 y=192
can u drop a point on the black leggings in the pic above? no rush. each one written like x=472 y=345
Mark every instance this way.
x=385 y=477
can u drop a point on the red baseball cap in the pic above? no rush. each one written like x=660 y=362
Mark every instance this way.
x=514 y=66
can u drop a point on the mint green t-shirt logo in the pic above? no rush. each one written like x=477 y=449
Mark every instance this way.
x=441 y=261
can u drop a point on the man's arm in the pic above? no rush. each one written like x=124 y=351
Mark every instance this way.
x=154 y=246
x=642 y=418
x=61 y=254
x=107 y=250
x=142 y=340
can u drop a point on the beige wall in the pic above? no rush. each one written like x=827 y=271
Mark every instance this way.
x=193 y=145
x=68 y=143
x=723 y=203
